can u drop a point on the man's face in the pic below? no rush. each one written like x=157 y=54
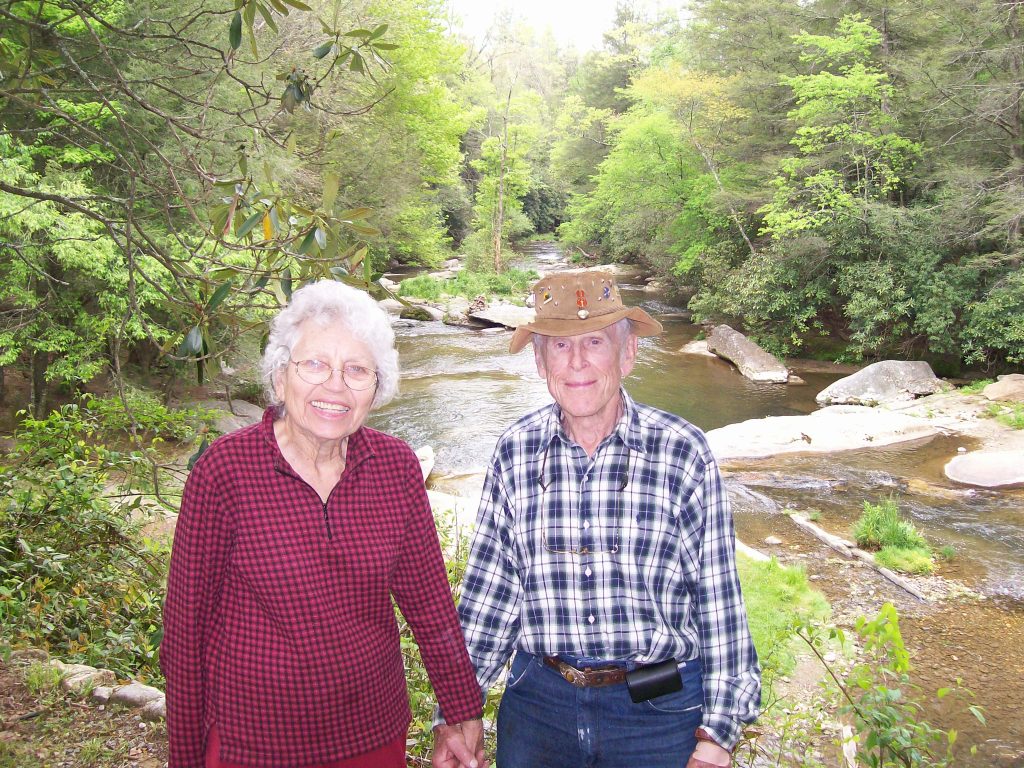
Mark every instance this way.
x=584 y=372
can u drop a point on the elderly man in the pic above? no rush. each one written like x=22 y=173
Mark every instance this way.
x=604 y=557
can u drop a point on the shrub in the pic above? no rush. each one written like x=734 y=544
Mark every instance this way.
x=881 y=525
x=76 y=577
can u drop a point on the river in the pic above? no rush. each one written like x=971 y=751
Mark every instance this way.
x=460 y=388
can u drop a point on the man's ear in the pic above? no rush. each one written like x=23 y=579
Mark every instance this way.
x=628 y=357
x=538 y=356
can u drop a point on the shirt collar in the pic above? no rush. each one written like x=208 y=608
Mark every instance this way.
x=359 y=446
x=627 y=428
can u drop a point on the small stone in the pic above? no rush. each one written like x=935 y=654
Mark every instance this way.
x=772 y=541
x=155 y=710
x=101 y=694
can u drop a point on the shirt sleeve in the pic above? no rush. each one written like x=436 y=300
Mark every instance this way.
x=732 y=677
x=491 y=587
x=199 y=557
x=421 y=590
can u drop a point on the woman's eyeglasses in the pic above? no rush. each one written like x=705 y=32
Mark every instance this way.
x=357 y=377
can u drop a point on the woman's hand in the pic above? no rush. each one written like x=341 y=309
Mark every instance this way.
x=459 y=746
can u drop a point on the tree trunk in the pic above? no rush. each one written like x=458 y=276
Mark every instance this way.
x=40 y=361
x=499 y=209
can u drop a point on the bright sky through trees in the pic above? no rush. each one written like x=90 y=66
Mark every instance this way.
x=579 y=23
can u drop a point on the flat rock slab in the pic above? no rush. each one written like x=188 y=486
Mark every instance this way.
x=508 y=315
x=837 y=428
x=883 y=382
x=988 y=469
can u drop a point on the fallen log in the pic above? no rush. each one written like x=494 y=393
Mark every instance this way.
x=844 y=548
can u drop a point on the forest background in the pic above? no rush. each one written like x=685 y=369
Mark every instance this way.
x=836 y=178
x=844 y=177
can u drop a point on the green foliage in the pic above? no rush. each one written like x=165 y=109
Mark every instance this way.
x=906 y=559
x=882 y=525
x=880 y=697
x=512 y=283
x=975 y=386
x=776 y=597
x=1010 y=414
x=76 y=577
x=898 y=543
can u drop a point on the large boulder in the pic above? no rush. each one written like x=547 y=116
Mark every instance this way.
x=888 y=381
x=753 y=362
x=988 y=469
x=838 y=428
x=1009 y=388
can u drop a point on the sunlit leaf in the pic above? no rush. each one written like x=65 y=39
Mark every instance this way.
x=357 y=257
x=249 y=15
x=297 y=4
x=279 y=7
x=378 y=32
x=268 y=226
x=363 y=229
x=363 y=33
x=267 y=16
x=385 y=46
x=355 y=213
x=332 y=179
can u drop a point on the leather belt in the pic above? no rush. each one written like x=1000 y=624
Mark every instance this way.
x=588 y=677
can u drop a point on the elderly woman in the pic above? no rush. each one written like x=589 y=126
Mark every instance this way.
x=281 y=647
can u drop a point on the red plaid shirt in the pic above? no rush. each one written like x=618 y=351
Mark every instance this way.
x=278 y=623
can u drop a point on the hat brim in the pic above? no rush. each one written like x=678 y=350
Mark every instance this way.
x=643 y=325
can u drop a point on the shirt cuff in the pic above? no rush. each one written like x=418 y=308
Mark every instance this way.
x=724 y=730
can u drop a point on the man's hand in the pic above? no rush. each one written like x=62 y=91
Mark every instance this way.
x=709 y=755
x=459 y=746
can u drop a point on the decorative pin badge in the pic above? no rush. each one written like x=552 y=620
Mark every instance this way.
x=547 y=296
x=606 y=293
x=581 y=302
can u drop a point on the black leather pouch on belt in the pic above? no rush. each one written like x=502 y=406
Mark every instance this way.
x=652 y=681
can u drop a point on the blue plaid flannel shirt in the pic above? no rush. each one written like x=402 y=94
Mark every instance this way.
x=629 y=554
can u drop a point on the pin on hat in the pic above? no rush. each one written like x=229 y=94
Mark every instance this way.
x=571 y=303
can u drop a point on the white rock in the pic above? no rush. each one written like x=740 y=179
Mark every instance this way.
x=154 y=710
x=83 y=680
x=135 y=695
x=836 y=428
x=988 y=469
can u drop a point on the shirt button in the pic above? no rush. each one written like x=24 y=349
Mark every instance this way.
x=586 y=524
x=590 y=618
x=588 y=571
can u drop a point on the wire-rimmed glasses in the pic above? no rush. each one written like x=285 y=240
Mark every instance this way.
x=356 y=377
x=561 y=542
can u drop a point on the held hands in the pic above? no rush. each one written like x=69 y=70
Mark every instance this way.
x=459 y=746
x=709 y=755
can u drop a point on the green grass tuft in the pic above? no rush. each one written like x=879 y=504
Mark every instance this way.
x=915 y=560
x=511 y=284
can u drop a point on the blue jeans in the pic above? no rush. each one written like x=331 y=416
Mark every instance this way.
x=545 y=722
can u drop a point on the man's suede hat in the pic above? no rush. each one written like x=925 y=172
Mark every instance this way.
x=571 y=303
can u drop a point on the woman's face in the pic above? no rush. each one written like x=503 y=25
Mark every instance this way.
x=330 y=411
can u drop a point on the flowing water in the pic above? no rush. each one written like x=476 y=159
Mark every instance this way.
x=461 y=388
